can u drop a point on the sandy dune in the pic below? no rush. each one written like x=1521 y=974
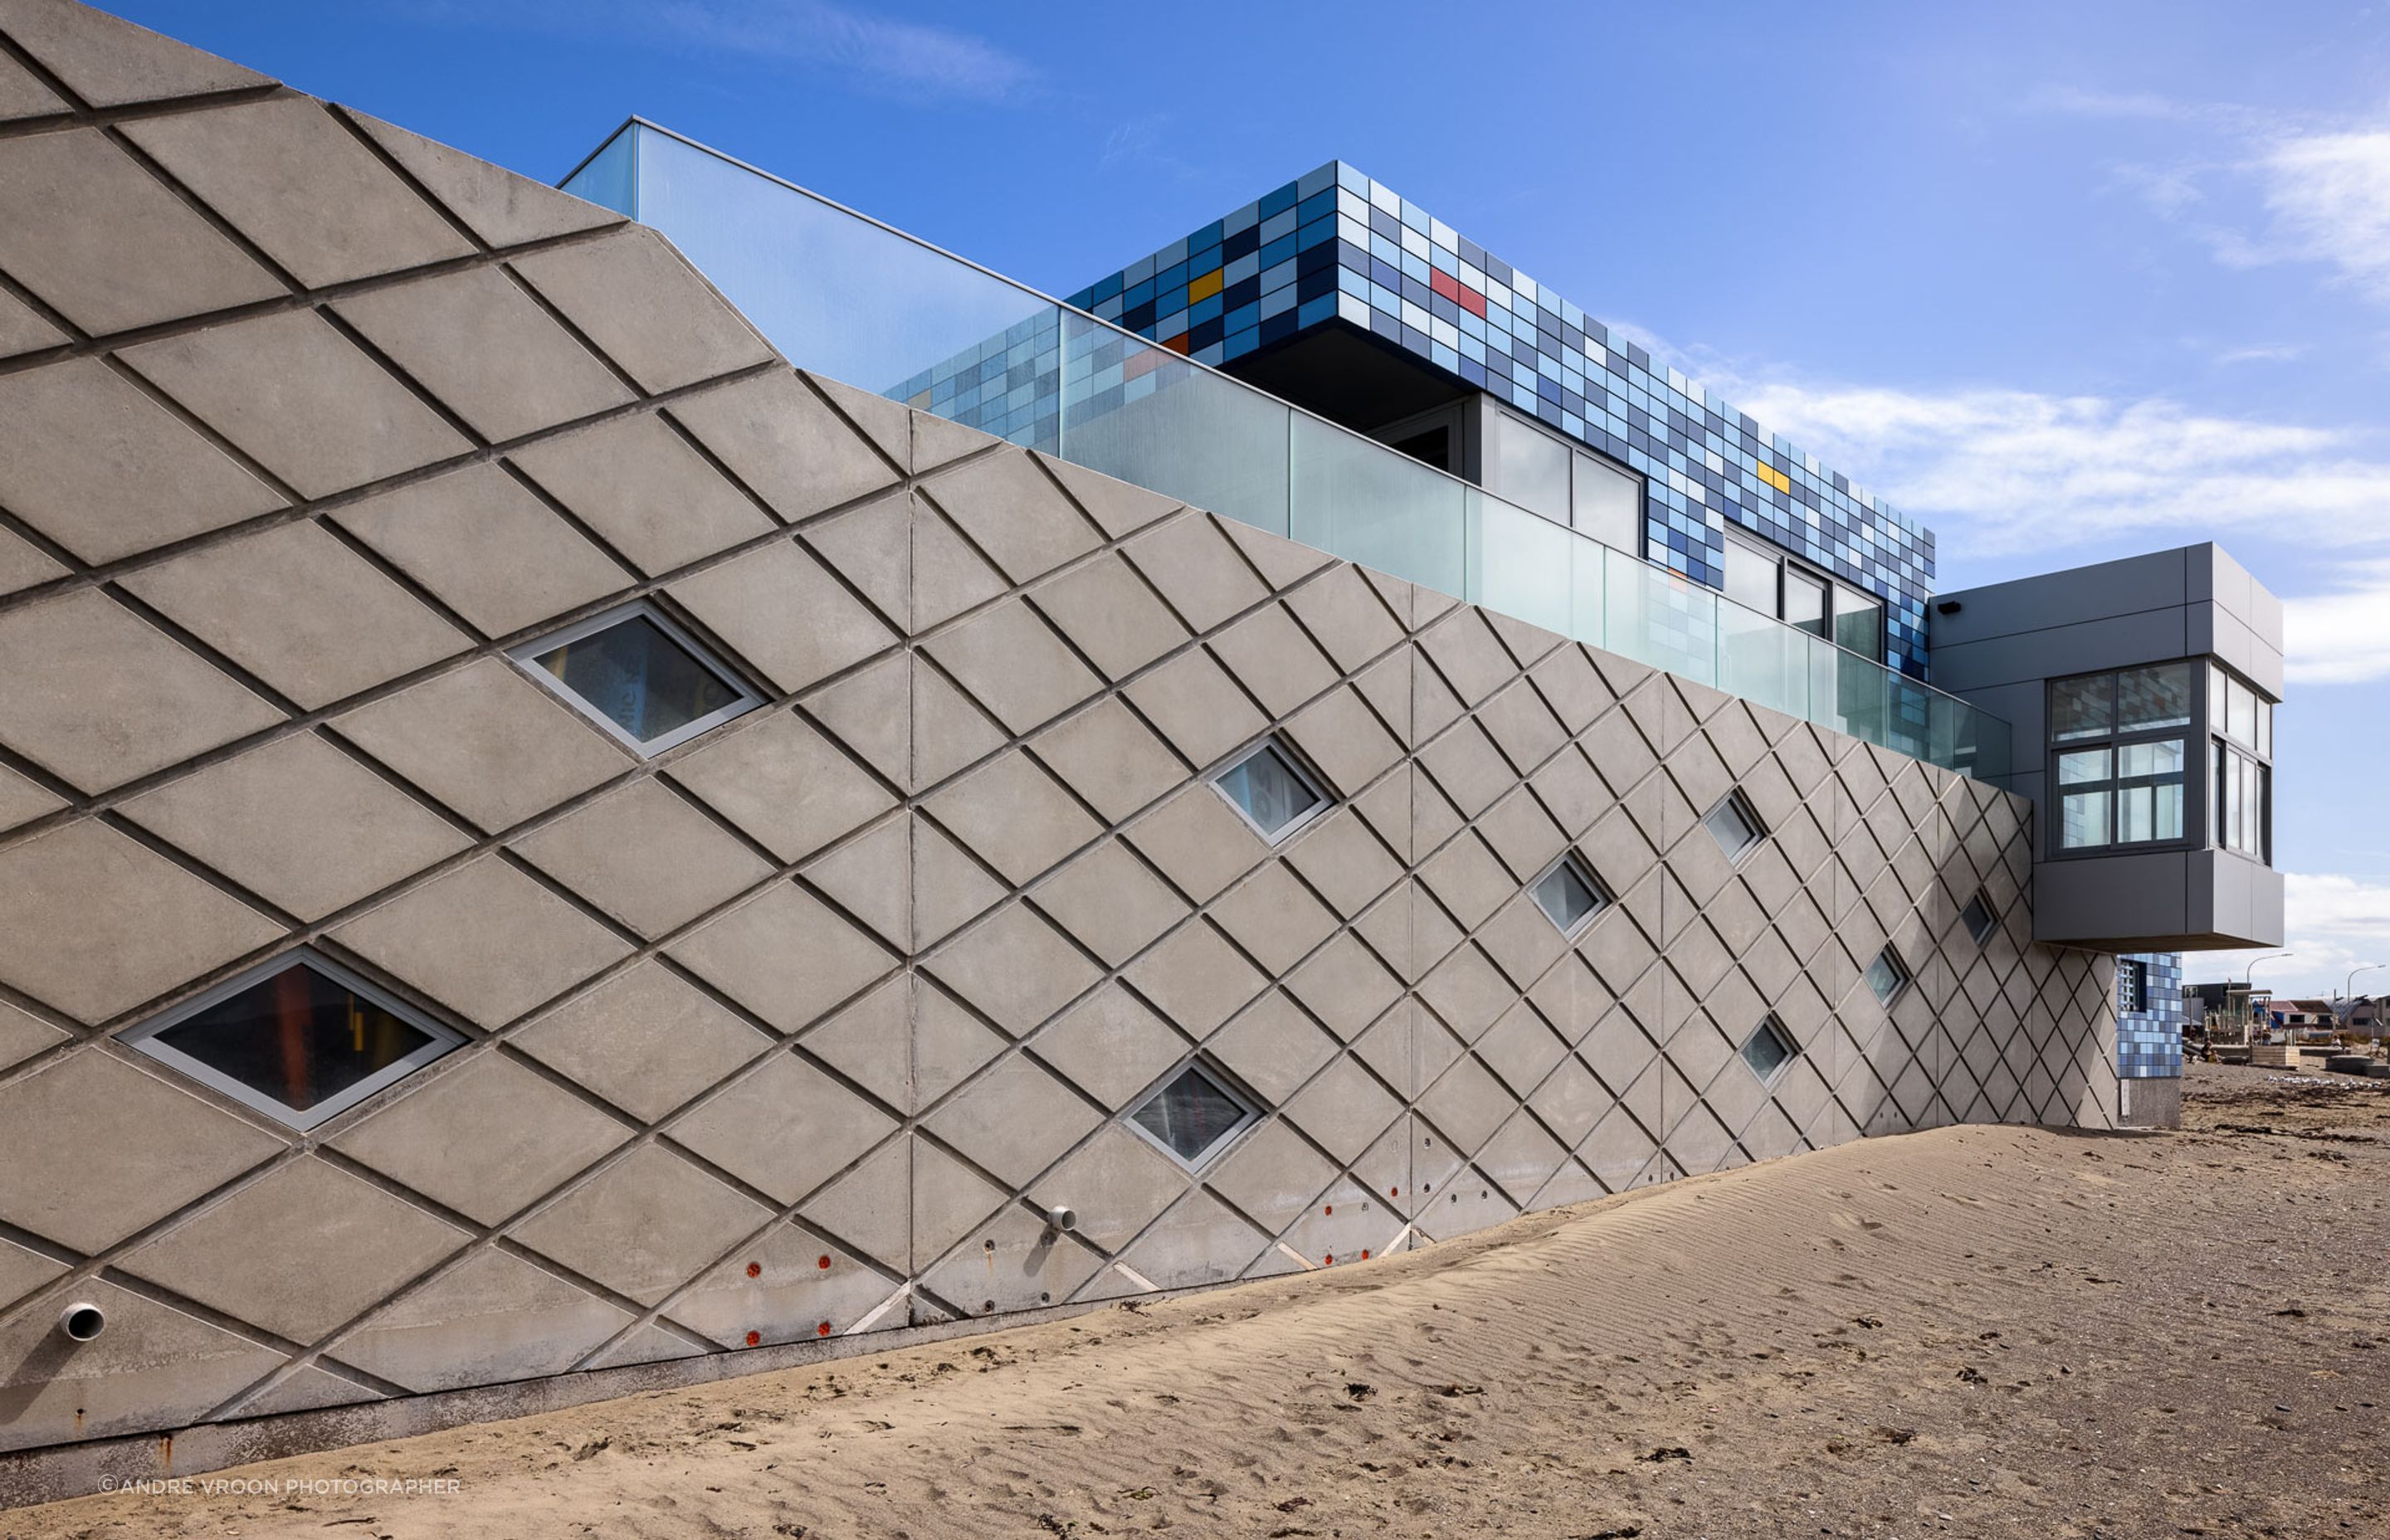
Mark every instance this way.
x=1971 y=1332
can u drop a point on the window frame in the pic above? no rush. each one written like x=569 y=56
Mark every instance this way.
x=1901 y=976
x=1788 y=565
x=1751 y=819
x=527 y=654
x=1251 y=1108
x=1991 y=918
x=1294 y=761
x=2138 y=971
x=142 y=1039
x=1770 y=1026
x=2113 y=742
x=1571 y=861
x=2252 y=754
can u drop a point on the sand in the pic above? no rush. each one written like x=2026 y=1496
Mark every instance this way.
x=1969 y=1331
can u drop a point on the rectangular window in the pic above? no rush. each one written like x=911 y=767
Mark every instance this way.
x=1859 y=623
x=2243 y=799
x=1751 y=576
x=2119 y=759
x=1805 y=603
x=1608 y=504
x=2132 y=986
x=2240 y=779
x=1527 y=467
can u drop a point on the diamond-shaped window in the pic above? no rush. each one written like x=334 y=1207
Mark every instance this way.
x=1193 y=1115
x=1569 y=896
x=639 y=676
x=299 y=1039
x=1977 y=917
x=1887 y=976
x=1767 y=1049
x=1269 y=787
x=1735 y=825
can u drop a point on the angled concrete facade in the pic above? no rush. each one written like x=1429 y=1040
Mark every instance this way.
x=799 y=1029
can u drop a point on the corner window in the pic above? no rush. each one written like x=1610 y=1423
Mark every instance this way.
x=2132 y=985
x=1734 y=826
x=299 y=1039
x=1887 y=976
x=638 y=676
x=1977 y=917
x=1191 y=1116
x=2242 y=724
x=2117 y=752
x=1269 y=787
x=1767 y=1049
x=1569 y=896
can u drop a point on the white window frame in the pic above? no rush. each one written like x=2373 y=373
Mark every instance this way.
x=1572 y=861
x=1769 y=1024
x=1991 y=918
x=1250 y=1110
x=1902 y=976
x=1750 y=815
x=1302 y=772
x=527 y=655
x=143 y=1039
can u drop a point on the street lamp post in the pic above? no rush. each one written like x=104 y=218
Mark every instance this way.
x=2249 y=978
x=2348 y=993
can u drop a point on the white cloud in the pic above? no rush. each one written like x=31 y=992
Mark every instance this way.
x=912 y=59
x=2340 y=637
x=2000 y=471
x=2327 y=196
x=2285 y=354
x=2267 y=188
x=2333 y=925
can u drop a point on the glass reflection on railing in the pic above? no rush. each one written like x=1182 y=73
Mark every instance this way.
x=847 y=296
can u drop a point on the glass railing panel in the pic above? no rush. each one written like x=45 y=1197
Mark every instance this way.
x=607 y=179
x=1908 y=716
x=854 y=300
x=1656 y=617
x=1376 y=506
x=1589 y=581
x=1859 y=699
x=1762 y=660
x=1144 y=414
x=1522 y=564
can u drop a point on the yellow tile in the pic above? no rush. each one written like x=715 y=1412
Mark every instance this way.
x=1774 y=477
x=1204 y=287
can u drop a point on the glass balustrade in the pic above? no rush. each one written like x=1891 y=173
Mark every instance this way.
x=849 y=298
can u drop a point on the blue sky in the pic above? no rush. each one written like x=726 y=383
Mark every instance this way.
x=2065 y=281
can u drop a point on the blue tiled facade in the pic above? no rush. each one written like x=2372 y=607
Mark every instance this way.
x=1334 y=245
x=2149 y=1041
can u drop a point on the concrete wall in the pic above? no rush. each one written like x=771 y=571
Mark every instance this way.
x=797 y=1028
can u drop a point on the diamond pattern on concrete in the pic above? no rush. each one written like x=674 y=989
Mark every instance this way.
x=462 y=1328
x=244 y=1257
x=646 y=1039
x=301 y=398
x=484 y=938
x=646 y=1225
x=86 y=1174
x=962 y=771
x=94 y=923
x=784 y=955
x=484 y=1138
x=785 y=1129
x=104 y=697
